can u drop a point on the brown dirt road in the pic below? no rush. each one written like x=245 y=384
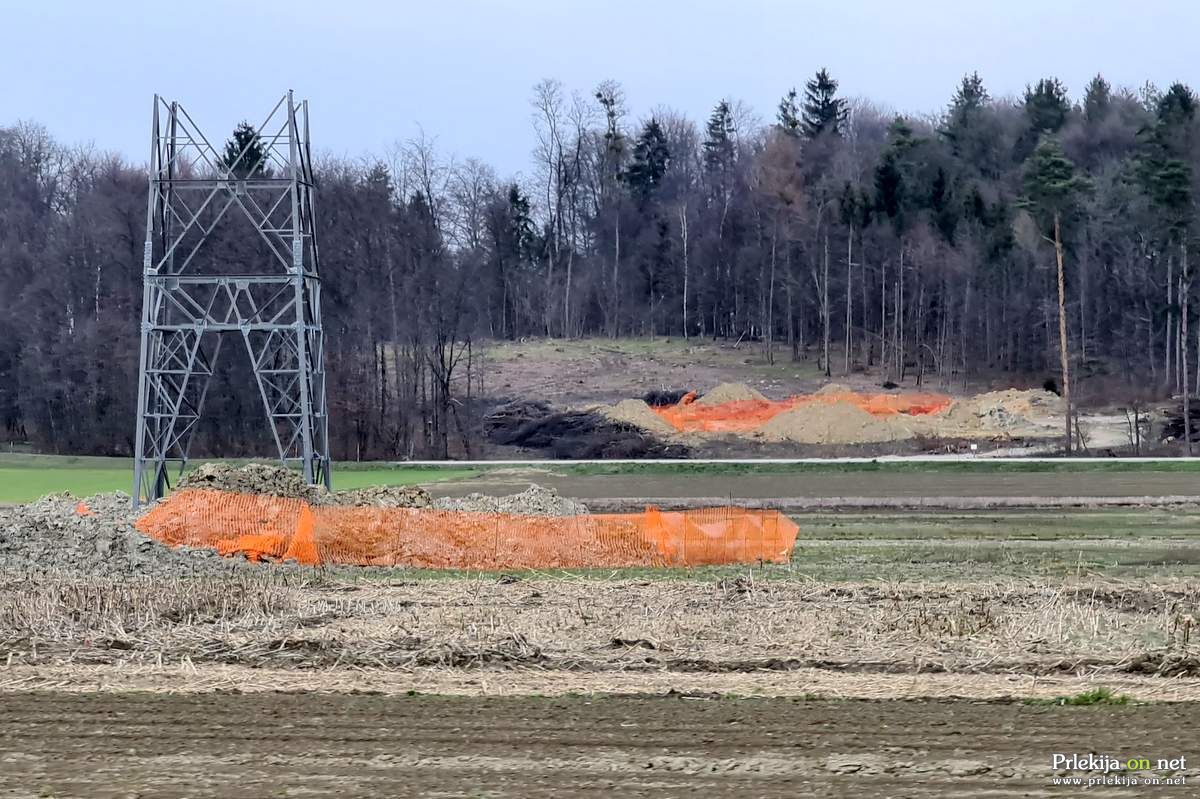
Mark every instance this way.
x=156 y=745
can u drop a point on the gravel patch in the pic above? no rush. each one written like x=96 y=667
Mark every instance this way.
x=533 y=501
x=253 y=478
x=381 y=497
x=60 y=534
x=276 y=481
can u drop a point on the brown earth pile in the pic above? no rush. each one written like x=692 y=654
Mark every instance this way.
x=533 y=501
x=276 y=481
x=1008 y=412
x=730 y=392
x=836 y=423
x=638 y=413
x=60 y=533
x=997 y=414
x=833 y=388
x=382 y=497
x=252 y=478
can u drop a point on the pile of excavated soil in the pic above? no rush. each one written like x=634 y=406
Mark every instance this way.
x=97 y=537
x=1028 y=402
x=276 y=481
x=730 y=392
x=636 y=412
x=57 y=533
x=253 y=478
x=382 y=497
x=833 y=415
x=1008 y=412
x=533 y=501
x=628 y=430
x=835 y=423
x=833 y=388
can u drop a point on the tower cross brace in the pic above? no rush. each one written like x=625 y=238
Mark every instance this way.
x=189 y=303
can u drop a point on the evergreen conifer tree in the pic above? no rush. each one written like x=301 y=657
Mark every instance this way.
x=789 y=114
x=718 y=139
x=245 y=155
x=1046 y=105
x=823 y=111
x=649 y=164
x=1051 y=191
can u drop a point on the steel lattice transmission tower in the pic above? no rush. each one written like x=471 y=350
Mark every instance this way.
x=190 y=301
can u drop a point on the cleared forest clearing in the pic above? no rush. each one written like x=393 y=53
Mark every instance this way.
x=713 y=399
x=607 y=370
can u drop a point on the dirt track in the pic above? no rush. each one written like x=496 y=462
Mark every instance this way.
x=119 y=745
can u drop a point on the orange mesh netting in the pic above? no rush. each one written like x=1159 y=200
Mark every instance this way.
x=741 y=416
x=271 y=528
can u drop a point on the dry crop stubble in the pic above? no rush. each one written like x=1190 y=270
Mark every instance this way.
x=605 y=626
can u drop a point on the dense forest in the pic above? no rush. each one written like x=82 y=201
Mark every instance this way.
x=977 y=240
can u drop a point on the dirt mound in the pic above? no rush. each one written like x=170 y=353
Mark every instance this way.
x=638 y=413
x=1011 y=411
x=58 y=533
x=629 y=430
x=1026 y=402
x=253 y=478
x=730 y=392
x=834 y=423
x=833 y=388
x=382 y=497
x=533 y=501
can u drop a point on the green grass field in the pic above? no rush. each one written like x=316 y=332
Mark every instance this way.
x=24 y=478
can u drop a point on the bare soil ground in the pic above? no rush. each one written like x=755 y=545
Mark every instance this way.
x=600 y=370
x=603 y=371
x=588 y=373
x=174 y=746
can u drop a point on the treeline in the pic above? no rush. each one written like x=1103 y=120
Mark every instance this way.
x=915 y=246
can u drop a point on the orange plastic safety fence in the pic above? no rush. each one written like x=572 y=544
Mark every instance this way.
x=269 y=528
x=259 y=527
x=741 y=416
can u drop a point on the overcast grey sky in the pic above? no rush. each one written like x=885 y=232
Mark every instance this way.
x=463 y=69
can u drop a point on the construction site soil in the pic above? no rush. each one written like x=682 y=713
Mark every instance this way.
x=736 y=420
x=96 y=536
x=112 y=746
x=837 y=415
